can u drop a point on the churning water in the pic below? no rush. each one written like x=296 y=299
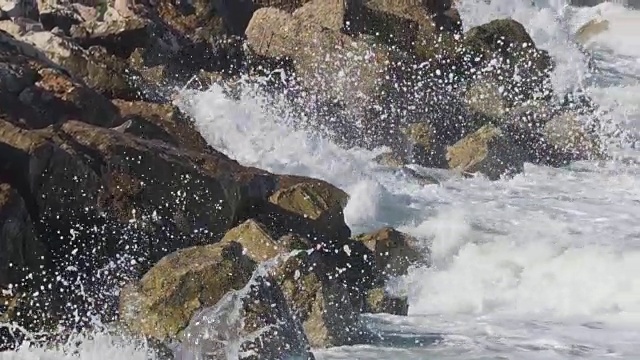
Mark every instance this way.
x=545 y=265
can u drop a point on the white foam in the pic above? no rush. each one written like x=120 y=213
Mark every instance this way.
x=97 y=347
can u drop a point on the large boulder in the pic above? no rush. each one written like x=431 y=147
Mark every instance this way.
x=351 y=79
x=63 y=16
x=173 y=290
x=515 y=63
x=20 y=8
x=102 y=198
x=22 y=261
x=323 y=57
x=488 y=151
x=110 y=32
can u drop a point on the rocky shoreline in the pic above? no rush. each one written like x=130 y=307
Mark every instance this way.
x=106 y=185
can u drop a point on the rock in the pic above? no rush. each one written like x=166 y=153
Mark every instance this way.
x=105 y=73
x=160 y=121
x=35 y=93
x=254 y=322
x=419 y=177
x=22 y=265
x=394 y=251
x=169 y=294
x=139 y=32
x=390 y=159
x=344 y=68
x=112 y=186
x=485 y=100
x=321 y=203
x=379 y=301
x=488 y=151
x=255 y=239
x=425 y=146
x=572 y=138
x=64 y=16
x=20 y=8
x=518 y=67
x=286 y=5
x=21 y=252
x=101 y=195
x=337 y=15
x=322 y=304
x=414 y=25
x=208 y=34
x=590 y=30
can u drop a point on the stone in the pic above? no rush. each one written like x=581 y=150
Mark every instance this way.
x=254 y=322
x=394 y=251
x=337 y=15
x=110 y=33
x=162 y=304
x=255 y=239
x=590 y=30
x=102 y=195
x=103 y=72
x=487 y=151
x=379 y=301
x=170 y=123
x=20 y=8
x=21 y=252
x=64 y=16
x=485 y=99
x=425 y=146
x=345 y=68
x=35 y=92
x=570 y=135
x=390 y=159
x=414 y=25
x=518 y=66
x=322 y=304
x=320 y=203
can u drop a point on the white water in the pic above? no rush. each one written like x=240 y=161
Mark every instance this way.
x=541 y=266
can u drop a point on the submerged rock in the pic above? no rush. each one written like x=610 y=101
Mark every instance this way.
x=321 y=203
x=572 y=138
x=590 y=30
x=380 y=301
x=487 y=151
x=394 y=251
